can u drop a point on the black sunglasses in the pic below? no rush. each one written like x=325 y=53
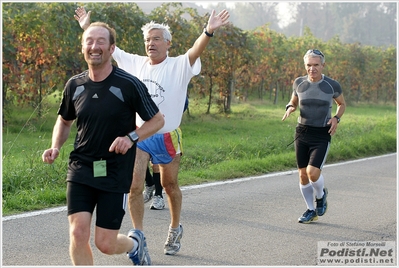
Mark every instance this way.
x=315 y=51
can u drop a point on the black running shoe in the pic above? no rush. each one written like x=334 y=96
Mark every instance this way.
x=308 y=216
x=321 y=204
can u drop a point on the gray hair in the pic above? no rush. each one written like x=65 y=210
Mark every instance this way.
x=314 y=53
x=153 y=25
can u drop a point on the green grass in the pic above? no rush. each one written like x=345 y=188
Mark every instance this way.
x=250 y=141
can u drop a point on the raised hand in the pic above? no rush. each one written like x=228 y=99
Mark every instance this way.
x=82 y=17
x=220 y=19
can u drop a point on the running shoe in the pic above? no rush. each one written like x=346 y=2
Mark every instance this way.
x=308 y=216
x=321 y=204
x=140 y=256
x=172 y=244
x=158 y=203
x=148 y=193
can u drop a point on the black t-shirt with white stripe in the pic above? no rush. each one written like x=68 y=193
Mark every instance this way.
x=104 y=111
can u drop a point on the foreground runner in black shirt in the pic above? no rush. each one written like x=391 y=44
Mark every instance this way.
x=103 y=101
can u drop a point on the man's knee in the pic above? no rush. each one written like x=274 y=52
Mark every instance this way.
x=313 y=173
x=136 y=189
x=79 y=236
x=105 y=248
x=170 y=183
x=303 y=176
x=105 y=244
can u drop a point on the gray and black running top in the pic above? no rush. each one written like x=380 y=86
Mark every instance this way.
x=315 y=99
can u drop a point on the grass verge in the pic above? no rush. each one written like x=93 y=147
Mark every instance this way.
x=250 y=141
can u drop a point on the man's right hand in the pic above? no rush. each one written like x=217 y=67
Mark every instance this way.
x=50 y=155
x=82 y=17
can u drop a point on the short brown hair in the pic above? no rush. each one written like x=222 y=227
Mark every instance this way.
x=112 y=32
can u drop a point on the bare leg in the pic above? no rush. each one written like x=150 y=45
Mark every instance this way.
x=79 y=235
x=169 y=181
x=111 y=242
x=136 y=202
x=313 y=173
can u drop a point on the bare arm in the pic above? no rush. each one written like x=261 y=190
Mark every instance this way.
x=200 y=44
x=341 y=106
x=214 y=22
x=293 y=103
x=122 y=144
x=61 y=131
x=151 y=126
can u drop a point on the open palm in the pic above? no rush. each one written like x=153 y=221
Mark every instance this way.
x=82 y=17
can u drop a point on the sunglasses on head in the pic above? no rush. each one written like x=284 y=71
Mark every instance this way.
x=315 y=51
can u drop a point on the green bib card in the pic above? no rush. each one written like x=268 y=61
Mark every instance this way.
x=100 y=168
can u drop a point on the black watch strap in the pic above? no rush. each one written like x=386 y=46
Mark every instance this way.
x=288 y=106
x=133 y=136
x=208 y=34
x=338 y=119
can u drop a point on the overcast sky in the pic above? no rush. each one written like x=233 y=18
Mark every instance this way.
x=283 y=12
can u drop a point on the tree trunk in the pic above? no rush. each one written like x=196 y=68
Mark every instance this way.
x=276 y=94
x=39 y=111
x=230 y=89
x=210 y=95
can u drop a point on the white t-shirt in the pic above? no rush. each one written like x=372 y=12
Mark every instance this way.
x=166 y=82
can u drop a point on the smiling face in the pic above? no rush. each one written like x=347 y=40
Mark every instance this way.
x=314 y=68
x=96 y=46
x=156 y=46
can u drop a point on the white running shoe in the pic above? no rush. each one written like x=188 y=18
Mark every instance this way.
x=172 y=244
x=148 y=193
x=157 y=203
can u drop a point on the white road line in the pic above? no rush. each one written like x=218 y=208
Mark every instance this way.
x=184 y=188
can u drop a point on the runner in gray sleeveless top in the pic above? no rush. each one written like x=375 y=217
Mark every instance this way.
x=313 y=94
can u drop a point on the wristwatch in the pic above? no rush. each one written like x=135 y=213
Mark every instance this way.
x=338 y=119
x=288 y=106
x=133 y=136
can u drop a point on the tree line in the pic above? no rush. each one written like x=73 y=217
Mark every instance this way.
x=41 y=50
x=370 y=23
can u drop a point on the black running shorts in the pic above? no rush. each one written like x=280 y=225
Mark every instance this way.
x=311 y=145
x=111 y=207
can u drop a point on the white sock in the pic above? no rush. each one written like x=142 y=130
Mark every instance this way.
x=307 y=193
x=174 y=229
x=135 y=245
x=319 y=186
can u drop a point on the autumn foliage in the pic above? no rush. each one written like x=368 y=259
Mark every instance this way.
x=41 y=50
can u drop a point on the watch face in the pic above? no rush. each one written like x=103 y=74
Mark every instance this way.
x=133 y=136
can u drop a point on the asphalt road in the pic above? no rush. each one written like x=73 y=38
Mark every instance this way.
x=243 y=222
